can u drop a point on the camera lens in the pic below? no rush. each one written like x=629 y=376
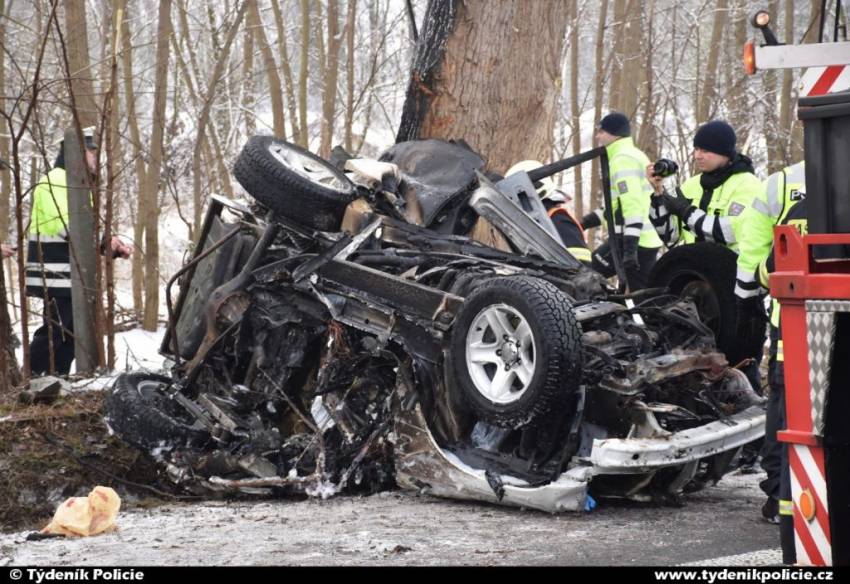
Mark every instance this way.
x=664 y=167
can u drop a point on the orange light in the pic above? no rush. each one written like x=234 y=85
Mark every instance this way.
x=762 y=18
x=750 y=58
x=808 y=507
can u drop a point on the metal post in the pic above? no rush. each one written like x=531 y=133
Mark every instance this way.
x=83 y=252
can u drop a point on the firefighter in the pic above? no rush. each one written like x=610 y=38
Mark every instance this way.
x=783 y=202
x=710 y=206
x=48 y=268
x=555 y=201
x=631 y=195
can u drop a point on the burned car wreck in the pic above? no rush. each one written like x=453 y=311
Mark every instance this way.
x=408 y=321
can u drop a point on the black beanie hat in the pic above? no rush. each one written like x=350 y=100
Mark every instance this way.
x=617 y=124
x=716 y=136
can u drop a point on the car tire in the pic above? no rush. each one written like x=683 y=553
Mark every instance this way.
x=141 y=415
x=704 y=272
x=293 y=182
x=515 y=351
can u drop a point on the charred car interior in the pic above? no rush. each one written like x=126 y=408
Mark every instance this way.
x=411 y=321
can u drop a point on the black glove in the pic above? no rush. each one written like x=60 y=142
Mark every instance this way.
x=630 y=252
x=590 y=221
x=678 y=206
x=751 y=325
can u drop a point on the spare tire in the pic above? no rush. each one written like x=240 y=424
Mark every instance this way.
x=705 y=272
x=140 y=413
x=293 y=182
x=515 y=351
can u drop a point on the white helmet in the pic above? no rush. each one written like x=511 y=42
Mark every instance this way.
x=545 y=186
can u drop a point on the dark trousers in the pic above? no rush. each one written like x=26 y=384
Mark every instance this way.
x=58 y=325
x=771 y=450
x=638 y=279
x=774 y=454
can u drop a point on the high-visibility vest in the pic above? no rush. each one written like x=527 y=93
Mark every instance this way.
x=571 y=233
x=630 y=192
x=48 y=253
x=727 y=205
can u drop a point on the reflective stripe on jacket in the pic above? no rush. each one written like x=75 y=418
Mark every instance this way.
x=720 y=222
x=48 y=253
x=782 y=190
x=630 y=192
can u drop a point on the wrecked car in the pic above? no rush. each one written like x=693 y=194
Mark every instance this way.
x=410 y=321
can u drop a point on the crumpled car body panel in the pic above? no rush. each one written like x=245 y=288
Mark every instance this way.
x=320 y=362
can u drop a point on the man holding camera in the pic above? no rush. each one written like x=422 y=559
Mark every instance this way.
x=630 y=199
x=710 y=207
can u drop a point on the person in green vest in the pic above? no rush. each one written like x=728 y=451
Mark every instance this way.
x=630 y=200
x=710 y=206
x=783 y=202
x=48 y=267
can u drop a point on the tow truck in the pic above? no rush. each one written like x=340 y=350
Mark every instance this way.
x=812 y=284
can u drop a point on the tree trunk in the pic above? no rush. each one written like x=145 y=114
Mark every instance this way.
x=739 y=114
x=275 y=88
x=138 y=267
x=113 y=159
x=481 y=89
x=302 y=74
x=151 y=218
x=710 y=78
x=329 y=80
x=786 y=119
x=598 y=97
x=204 y=117
x=631 y=75
x=618 y=31
x=648 y=137
x=248 y=112
x=575 y=113
x=350 y=28
x=10 y=375
x=80 y=73
x=770 y=118
x=5 y=175
x=287 y=72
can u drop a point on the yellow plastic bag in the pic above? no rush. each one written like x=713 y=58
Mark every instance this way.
x=86 y=515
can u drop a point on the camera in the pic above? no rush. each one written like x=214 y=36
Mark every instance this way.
x=664 y=167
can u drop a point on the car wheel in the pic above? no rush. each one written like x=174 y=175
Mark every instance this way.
x=140 y=413
x=515 y=351
x=294 y=182
x=705 y=273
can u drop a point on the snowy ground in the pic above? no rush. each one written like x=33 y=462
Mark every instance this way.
x=719 y=526
x=134 y=349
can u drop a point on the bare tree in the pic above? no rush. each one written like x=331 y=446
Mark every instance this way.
x=350 y=27
x=598 y=88
x=618 y=37
x=631 y=74
x=575 y=113
x=302 y=74
x=275 y=88
x=329 y=79
x=204 y=118
x=151 y=217
x=248 y=74
x=710 y=78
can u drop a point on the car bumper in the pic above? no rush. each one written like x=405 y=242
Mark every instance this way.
x=635 y=455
